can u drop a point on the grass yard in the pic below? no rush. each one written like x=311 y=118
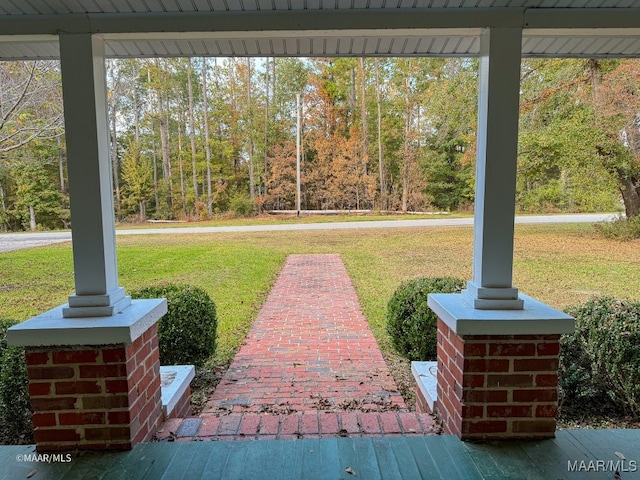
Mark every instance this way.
x=287 y=218
x=557 y=264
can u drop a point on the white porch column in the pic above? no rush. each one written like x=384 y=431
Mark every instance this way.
x=497 y=145
x=93 y=364
x=497 y=370
x=90 y=179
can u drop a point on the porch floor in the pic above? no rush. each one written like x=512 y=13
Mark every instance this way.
x=573 y=454
x=309 y=368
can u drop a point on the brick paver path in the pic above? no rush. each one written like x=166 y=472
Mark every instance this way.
x=310 y=367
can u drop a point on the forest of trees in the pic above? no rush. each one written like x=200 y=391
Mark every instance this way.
x=195 y=138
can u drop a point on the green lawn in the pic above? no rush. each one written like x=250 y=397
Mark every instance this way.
x=557 y=264
x=228 y=220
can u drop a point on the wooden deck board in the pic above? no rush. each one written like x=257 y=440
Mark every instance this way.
x=424 y=460
x=549 y=459
x=623 y=439
x=586 y=443
x=367 y=462
x=155 y=463
x=199 y=458
x=448 y=458
x=8 y=453
x=607 y=444
x=124 y=463
x=292 y=464
x=96 y=468
x=465 y=465
x=362 y=459
x=217 y=457
x=278 y=457
x=436 y=457
x=484 y=461
x=573 y=453
x=237 y=459
x=510 y=461
x=8 y=457
x=319 y=459
x=388 y=464
x=408 y=465
x=180 y=462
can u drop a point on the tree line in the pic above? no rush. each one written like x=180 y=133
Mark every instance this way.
x=193 y=138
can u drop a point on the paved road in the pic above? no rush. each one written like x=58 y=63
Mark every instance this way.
x=16 y=241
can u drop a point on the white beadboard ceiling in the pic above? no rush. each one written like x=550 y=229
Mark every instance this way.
x=49 y=7
x=141 y=28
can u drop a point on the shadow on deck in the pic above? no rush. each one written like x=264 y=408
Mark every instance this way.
x=573 y=454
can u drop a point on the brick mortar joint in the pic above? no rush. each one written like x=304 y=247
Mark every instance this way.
x=472 y=340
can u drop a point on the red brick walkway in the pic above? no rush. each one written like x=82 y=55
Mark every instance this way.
x=310 y=367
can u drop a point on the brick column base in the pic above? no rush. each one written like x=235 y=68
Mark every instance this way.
x=497 y=386
x=104 y=397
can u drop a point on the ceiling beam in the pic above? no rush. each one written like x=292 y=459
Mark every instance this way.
x=312 y=20
x=569 y=18
x=35 y=36
x=294 y=20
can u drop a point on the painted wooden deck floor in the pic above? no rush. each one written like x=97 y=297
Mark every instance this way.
x=573 y=454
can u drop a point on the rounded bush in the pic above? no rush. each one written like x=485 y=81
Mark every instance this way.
x=577 y=389
x=412 y=325
x=15 y=406
x=5 y=324
x=602 y=356
x=187 y=332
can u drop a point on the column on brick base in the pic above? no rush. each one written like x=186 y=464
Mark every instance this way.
x=497 y=378
x=100 y=390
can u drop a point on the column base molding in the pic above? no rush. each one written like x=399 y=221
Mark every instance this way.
x=81 y=306
x=483 y=298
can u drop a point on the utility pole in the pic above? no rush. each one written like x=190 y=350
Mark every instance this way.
x=298 y=154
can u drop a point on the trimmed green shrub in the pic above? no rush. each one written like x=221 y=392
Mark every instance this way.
x=602 y=357
x=15 y=407
x=622 y=228
x=187 y=332
x=5 y=324
x=412 y=325
x=575 y=378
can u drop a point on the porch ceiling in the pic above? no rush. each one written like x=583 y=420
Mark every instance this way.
x=139 y=28
x=48 y=7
